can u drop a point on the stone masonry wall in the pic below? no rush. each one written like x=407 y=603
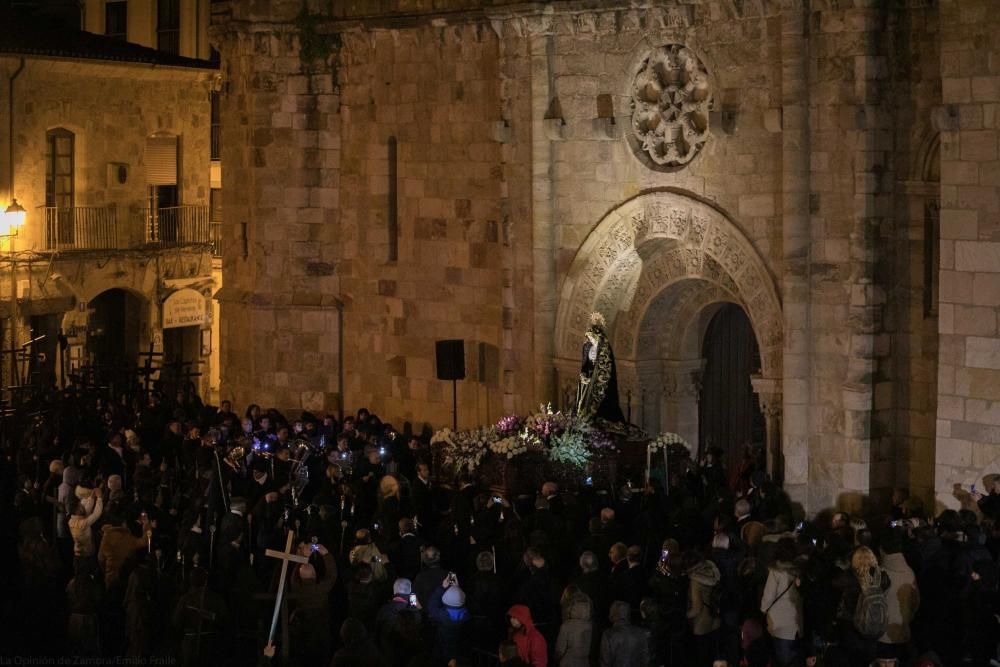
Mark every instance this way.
x=512 y=132
x=968 y=427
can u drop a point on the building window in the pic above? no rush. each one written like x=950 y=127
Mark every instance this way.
x=116 y=20
x=216 y=125
x=168 y=26
x=932 y=257
x=59 y=189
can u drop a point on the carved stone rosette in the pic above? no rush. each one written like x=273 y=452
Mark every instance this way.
x=671 y=96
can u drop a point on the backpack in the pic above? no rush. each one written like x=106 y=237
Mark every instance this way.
x=871 y=613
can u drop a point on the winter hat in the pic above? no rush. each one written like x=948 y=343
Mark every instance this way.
x=402 y=587
x=453 y=597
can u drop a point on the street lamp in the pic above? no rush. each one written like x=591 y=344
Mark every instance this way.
x=14 y=216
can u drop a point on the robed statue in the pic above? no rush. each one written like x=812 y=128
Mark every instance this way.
x=597 y=393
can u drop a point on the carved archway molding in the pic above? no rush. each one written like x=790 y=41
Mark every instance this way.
x=646 y=245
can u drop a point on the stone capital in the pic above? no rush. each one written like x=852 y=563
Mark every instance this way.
x=768 y=390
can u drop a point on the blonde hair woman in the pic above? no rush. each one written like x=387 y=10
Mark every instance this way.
x=863 y=613
x=390 y=509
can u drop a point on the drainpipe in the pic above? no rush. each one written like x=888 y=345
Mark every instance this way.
x=13 y=267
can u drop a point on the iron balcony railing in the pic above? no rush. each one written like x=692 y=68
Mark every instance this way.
x=82 y=228
x=215 y=234
x=177 y=225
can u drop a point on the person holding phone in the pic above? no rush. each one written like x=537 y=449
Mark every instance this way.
x=450 y=616
x=387 y=618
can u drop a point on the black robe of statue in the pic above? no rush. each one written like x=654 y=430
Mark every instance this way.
x=598 y=398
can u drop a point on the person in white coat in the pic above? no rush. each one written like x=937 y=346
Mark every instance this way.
x=902 y=599
x=782 y=604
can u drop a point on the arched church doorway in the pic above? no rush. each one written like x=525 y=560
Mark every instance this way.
x=113 y=329
x=688 y=300
x=729 y=414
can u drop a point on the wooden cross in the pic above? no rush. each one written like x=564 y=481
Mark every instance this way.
x=285 y=556
x=147 y=370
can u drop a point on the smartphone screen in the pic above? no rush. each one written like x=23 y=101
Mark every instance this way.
x=413 y=600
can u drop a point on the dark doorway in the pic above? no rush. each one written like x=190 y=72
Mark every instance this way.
x=113 y=335
x=729 y=415
x=181 y=353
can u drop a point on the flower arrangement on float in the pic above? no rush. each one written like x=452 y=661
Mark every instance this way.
x=561 y=437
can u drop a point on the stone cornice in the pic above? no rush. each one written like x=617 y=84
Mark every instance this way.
x=539 y=18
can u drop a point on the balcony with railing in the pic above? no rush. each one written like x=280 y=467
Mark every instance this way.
x=176 y=226
x=82 y=228
x=87 y=228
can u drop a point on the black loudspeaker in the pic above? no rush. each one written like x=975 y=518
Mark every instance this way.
x=450 y=359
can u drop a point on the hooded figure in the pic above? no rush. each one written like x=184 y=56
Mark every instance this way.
x=704 y=576
x=530 y=644
x=623 y=644
x=575 y=633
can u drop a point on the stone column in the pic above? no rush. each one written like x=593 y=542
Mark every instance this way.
x=768 y=392
x=797 y=353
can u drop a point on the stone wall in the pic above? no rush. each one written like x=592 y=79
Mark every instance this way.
x=527 y=195
x=968 y=427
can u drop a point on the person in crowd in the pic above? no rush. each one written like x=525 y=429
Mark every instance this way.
x=623 y=644
x=902 y=598
x=782 y=604
x=446 y=609
x=575 y=641
x=703 y=611
x=531 y=646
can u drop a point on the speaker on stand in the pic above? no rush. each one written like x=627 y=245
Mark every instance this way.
x=450 y=357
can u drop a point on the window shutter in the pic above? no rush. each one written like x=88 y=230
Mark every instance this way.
x=161 y=160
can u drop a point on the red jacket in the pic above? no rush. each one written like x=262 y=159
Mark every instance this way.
x=530 y=643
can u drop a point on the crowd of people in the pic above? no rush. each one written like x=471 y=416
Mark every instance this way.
x=153 y=532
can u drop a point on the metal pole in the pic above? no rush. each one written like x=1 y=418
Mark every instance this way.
x=454 y=405
x=13 y=314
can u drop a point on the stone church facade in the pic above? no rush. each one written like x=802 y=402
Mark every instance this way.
x=407 y=171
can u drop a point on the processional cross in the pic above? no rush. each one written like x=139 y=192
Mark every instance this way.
x=285 y=556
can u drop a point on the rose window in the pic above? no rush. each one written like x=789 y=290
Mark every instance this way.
x=671 y=96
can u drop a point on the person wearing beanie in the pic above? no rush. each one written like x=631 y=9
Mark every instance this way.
x=447 y=611
x=531 y=645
